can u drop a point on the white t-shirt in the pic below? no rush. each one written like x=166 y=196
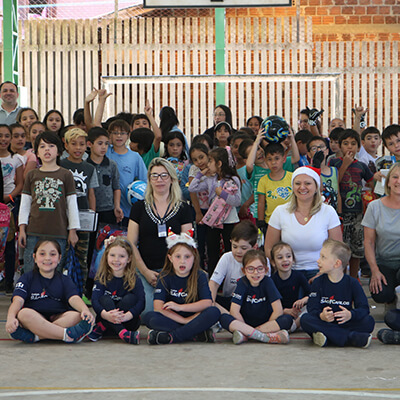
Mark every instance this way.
x=230 y=270
x=305 y=240
x=8 y=166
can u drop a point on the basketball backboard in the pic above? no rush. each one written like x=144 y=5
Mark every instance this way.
x=214 y=3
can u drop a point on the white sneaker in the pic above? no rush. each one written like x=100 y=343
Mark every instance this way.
x=238 y=337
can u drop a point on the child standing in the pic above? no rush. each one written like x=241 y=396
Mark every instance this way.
x=291 y=284
x=229 y=268
x=275 y=187
x=46 y=304
x=256 y=310
x=370 y=142
x=48 y=202
x=338 y=311
x=302 y=138
x=54 y=121
x=351 y=174
x=223 y=185
x=118 y=294
x=86 y=181
x=130 y=165
x=329 y=175
x=182 y=301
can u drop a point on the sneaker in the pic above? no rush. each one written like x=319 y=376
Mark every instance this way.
x=293 y=328
x=388 y=336
x=79 y=331
x=280 y=337
x=131 y=337
x=97 y=333
x=217 y=327
x=319 y=339
x=207 y=336
x=239 y=338
x=360 y=339
x=23 y=334
x=159 y=337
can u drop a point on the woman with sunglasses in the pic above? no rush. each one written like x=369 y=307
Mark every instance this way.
x=150 y=220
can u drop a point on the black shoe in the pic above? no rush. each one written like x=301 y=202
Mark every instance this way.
x=205 y=336
x=159 y=337
x=360 y=339
x=389 y=336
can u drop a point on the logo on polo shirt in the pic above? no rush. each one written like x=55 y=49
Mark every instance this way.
x=178 y=293
x=331 y=300
x=254 y=300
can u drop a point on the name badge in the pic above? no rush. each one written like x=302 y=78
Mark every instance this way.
x=162 y=230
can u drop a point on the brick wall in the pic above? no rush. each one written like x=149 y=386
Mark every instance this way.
x=349 y=20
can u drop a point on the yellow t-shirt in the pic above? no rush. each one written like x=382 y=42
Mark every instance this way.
x=276 y=192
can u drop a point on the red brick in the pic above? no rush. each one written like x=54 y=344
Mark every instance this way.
x=372 y=10
x=314 y=2
x=322 y=11
x=317 y=20
x=365 y=2
x=385 y=10
x=364 y=19
x=390 y=1
x=340 y=2
x=347 y=10
x=328 y=20
x=353 y=19
x=390 y=20
x=378 y=19
x=335 y=10
x=310 y=11
x=360 y=10
x=377 y=2
x=352 y=2
x=327 y=2
x=340 y=20
x=396 y=10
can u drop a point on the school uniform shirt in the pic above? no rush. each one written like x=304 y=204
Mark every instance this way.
x=131 y=168
x=108 y=179
x=153 y=248
x=174 y=288
x=275 y=192
x=116 y=290
x=347 y=293
x=255 y=302
x=228 y=271
x=289 y=288
x=46 y=296
x=351 y=184
x=85 y=178
x=48 y=206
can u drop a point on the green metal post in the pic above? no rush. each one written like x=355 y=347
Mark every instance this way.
x=10 y=40
x=220 y=52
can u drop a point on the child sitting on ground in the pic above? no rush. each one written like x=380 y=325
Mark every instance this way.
x=256 y=310
x=292 y=285
x=229 y=268
x=338 y=311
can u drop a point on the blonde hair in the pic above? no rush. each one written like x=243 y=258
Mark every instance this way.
x=175 y=193
x=168 y=269
x=392 y=168
x=105 y=274
x=316 y=203
x=74 y=133
x=339 y=250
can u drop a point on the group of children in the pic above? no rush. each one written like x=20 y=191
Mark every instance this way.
x=230 y=177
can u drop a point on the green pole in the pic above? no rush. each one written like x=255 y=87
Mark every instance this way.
x=10 y=40
x=220 y=52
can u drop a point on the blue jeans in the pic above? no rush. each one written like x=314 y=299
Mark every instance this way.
x=30 y=245
x=148 y=292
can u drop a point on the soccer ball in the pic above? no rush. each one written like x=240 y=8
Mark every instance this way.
x=276 y=129
x=135 y=191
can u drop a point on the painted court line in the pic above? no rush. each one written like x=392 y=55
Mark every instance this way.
x=358 y=392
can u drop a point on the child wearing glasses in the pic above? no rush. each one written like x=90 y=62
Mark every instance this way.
x=256 y=309
x=130 y=164
x=329 y=175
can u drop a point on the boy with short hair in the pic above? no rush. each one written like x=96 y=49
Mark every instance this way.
x=302 y=138
x=85 y=178
x=370 y=142
x=329 y=175
x=275 y=187
x=229 y=267
x=338 y=310
x=130 y=164
x=391 y=140
x=334 y=136
x=351 y=175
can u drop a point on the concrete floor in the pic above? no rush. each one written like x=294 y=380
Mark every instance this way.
x=112 y=369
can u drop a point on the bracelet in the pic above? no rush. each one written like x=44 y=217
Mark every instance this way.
x=11 y=198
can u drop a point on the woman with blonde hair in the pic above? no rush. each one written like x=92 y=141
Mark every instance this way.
x=150 y=220
x=304 y=223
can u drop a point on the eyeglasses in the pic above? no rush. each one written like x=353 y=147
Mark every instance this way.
x=316 y=148
x=164 y=176
x=119 y=133
x=219 y=114
x=260 y=269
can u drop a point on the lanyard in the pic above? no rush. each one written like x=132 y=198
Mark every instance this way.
x=158 y=215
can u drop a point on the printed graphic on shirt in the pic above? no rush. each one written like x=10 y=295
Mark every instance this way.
x=178 y=293
x=329 y=193
x=280 y=192
x=80 y=183
x=7 y=169
x=331 y=300
x=48 y=191
x=253 y=300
